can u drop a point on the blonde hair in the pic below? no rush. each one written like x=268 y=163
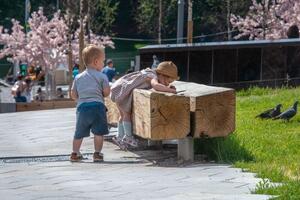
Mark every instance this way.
x=90 y=53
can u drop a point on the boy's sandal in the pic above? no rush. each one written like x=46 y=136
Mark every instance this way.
x=97 y=157
x=75 y=157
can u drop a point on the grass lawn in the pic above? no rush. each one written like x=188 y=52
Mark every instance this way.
x=270 y=148
x=123 y=54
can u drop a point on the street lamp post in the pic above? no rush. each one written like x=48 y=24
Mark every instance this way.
x=180 y=19
x=57 y=4
x=159 y=21
x=228 y=20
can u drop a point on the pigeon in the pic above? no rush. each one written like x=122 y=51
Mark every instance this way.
x=270 y=113
x=289 y=113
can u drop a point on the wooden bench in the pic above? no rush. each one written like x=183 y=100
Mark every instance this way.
x=197 y=111
x=46 y=105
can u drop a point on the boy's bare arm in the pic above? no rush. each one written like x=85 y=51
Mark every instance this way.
x=74 y=94
x=106 y=91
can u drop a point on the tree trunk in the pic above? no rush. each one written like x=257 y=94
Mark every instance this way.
x=50 y=84
x=88 y=21
x=81 y=38
x=190 y=22
x=70 y=64
x=70 y=53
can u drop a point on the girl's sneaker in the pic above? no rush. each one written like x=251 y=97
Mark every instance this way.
x=129 y=140
x=119 y=143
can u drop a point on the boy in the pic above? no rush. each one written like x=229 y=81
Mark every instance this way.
x=89 y=89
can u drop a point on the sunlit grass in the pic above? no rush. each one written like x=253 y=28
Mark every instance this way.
x=270 y=148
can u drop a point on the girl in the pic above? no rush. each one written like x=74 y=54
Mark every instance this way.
x=122 y=93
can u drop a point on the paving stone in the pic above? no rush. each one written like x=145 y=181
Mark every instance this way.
x=122 y=175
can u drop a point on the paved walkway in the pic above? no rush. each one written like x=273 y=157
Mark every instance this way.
x=34 y=165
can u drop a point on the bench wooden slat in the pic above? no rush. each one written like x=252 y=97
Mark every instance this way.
x=160 y=116
x=212 y=109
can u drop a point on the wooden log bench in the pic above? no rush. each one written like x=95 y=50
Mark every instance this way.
x=160 y=116
x=212 y=109
x=197 y=111
x=212 y=114
x=112 y=112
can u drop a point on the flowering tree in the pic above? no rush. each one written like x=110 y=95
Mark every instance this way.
x=13 y=42
x=288 y=11
x=97 y=40
x=46 y=39
x=45 y=44
x=269 y=19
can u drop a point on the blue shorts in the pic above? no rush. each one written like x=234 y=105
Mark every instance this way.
x=91 y=117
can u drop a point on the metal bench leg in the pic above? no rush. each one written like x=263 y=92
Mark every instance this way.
x=154 y=143
x=186 y=149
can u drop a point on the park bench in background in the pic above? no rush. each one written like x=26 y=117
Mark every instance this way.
x=197 y=111
x=45 y=105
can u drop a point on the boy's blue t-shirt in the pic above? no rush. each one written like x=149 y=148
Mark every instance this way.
x=89 y=86
x=109 y=72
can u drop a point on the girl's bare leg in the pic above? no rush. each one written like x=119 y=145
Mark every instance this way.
x=121 y=132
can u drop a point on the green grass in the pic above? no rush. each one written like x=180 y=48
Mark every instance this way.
x=123 y=54
x=270 y=148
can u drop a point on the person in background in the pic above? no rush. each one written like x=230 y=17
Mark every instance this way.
x=40 y=75
x=40 y=96
x=109 y=70
x=23 y=69
x=27 y=89
x=293 y=32
x=130 y=70
x=31 y=72
x=155 y=62
x=17 y=90
x=59 y=93
x=75 y=70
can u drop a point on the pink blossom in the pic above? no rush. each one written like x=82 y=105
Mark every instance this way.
x=268 y=20
x=45 y=43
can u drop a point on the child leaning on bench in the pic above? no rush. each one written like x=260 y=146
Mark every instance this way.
x=122 y=94
x=89 y=89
